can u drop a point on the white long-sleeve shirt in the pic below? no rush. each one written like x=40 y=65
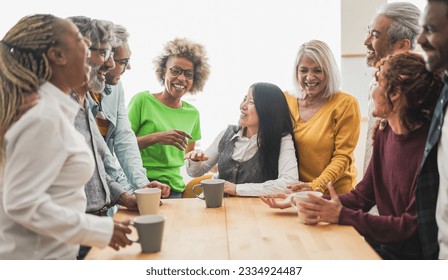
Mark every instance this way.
x=245 y=149
x=442 y=198
x=43 y=203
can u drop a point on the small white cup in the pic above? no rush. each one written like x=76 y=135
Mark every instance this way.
x=148 y=200
x=298 y=197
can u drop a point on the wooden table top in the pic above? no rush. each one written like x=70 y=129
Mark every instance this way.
x=243 y=228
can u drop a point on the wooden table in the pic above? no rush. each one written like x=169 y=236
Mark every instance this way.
x=244 y=228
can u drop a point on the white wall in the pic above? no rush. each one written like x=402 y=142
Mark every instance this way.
x=247 y=41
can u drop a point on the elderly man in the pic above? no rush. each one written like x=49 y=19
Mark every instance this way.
x=432 y=186
x=110 y=112
x=102 y=191
x=394 y=28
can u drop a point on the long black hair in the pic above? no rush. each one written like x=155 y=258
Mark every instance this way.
x=275 y=122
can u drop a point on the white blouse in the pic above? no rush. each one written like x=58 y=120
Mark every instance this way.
x=245 y=149
x=442 y=198
x=42 y=197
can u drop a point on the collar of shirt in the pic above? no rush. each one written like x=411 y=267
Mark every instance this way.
x=107 y=89
x=63 y=100
x=245 y=148
x=76 y=99
x=241 y=137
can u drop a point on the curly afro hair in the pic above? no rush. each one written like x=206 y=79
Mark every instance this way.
x=192 y=51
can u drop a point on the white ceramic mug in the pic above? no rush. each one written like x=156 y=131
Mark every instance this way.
x=148 y=200
x=296 y=198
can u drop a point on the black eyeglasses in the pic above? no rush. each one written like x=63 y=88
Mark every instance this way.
x=106 y=53
x=177 y=71
x=123 y=62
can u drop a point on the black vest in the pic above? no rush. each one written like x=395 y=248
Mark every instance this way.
x=237 y=172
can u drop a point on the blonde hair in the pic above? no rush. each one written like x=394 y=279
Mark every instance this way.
x=23 y=65
x=322 y=55
x=192 y=51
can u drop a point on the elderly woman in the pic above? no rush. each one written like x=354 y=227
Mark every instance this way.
x=327 y=121
x=167 y=127
x=256 y=157
x=405 y=95
x=44 y=161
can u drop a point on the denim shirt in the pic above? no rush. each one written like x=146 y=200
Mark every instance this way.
x=113 y=187
x=120 y=138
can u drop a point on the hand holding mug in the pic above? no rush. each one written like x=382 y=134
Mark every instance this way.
x=119 y=238
x=163 y=187
x=297 y=199
x=128 y=200
x=176 y=138
x=150 y=232
x=322 y=210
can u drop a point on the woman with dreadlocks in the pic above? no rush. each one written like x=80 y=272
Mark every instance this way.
x=44 y=161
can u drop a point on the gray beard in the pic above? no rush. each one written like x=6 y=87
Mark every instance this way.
x=95 y=85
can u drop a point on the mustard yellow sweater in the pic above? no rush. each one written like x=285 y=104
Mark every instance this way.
x=326 y=142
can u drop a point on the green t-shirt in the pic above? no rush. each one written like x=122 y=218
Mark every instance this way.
x=148 y=115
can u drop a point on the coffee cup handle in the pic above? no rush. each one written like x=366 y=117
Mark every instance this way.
x=292 y=201
x=131 y=224
x=197 y=195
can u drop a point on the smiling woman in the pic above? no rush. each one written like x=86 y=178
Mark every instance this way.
x=46 y=161
x=257 y=157
x=165 y=125
x=327 y=121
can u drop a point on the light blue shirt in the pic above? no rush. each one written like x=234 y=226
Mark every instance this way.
x=120 y=138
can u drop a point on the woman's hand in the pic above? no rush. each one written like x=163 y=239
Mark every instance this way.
x=321 y=209
x=196 y=155
x=119 y=238
x=230 y=188
x=176 y=138
x=300 y=187
x=271 y=201
x=380 y=124
x=163 y=187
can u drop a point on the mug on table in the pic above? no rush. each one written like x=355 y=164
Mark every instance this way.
x=297 y=197
x=213 y=190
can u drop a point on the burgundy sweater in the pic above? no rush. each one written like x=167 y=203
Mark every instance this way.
x=389 y=182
